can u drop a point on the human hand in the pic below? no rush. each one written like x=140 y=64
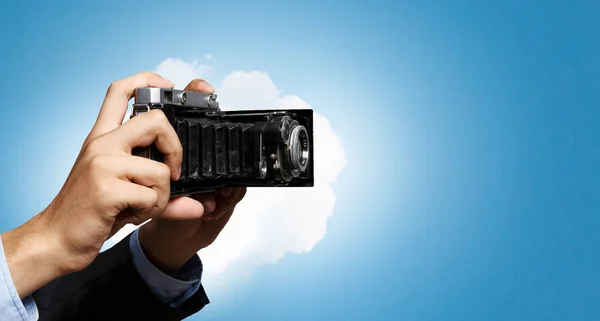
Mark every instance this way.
x=169 y=243
x=106 y=185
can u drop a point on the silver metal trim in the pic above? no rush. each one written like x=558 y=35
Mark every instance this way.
x=175 y=97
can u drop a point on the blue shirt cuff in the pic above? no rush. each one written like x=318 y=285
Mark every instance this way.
x=172 y=291
x=11 y=306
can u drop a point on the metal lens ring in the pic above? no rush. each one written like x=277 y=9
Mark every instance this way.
x=299 y=148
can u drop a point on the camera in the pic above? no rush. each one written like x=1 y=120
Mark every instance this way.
x=239 y=148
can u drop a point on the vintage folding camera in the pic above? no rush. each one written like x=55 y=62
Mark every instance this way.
x=243 y=148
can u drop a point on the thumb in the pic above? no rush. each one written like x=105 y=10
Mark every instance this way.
x=183 y=208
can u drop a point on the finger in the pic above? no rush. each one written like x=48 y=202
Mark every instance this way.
x=234 y=197
x=225 y=204
x=201 y=86
x=183 y=208
x=148 y=128
x=207 y=200
x=140 y=200
x=148 y=173
x=139 y=170
x=119 y=93
x=128 y=216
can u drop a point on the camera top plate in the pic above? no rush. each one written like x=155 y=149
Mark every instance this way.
x=175 y=97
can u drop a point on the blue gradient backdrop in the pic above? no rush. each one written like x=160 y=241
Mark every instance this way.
x=471 y=129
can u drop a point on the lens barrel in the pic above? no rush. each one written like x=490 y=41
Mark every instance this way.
x=299 y=151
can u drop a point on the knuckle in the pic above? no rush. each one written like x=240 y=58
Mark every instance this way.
x=159 y=203
x=98 y=162
x=104 y=193
x=115 y=86
x=148 y=74
x=155 y=197
x=92 y=146
x=142 y=78
x=164 y=172
x=158 y=118
x=177 y=149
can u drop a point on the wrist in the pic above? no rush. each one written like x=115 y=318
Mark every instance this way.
x=33 y=255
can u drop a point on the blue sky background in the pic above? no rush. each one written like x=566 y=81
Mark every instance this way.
x=471 y=191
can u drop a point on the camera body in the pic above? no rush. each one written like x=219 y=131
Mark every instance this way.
x=242 y=148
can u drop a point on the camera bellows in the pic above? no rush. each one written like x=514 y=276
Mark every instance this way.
x=212 y=149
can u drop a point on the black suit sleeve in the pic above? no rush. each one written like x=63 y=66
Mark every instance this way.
x=109 y=289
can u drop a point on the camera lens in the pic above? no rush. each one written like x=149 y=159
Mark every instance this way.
x=299 y=148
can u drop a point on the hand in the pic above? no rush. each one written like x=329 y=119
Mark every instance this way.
x=169 y=243
x=106 y=185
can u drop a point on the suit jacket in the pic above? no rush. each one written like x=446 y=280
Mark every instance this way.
x=109 y=289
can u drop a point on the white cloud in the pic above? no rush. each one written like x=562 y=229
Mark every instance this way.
x=269 y=222
x=181 y=72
